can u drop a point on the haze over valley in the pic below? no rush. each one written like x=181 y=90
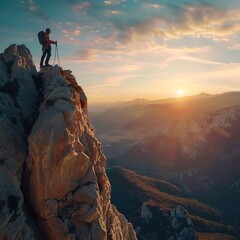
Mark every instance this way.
x=182 y=151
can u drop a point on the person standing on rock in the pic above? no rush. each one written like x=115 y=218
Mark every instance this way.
x=46 y=48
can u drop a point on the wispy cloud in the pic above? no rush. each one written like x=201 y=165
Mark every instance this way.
x=195 y=21
x=111 y=81
x=170 y=60
x=115 y=12
x=31 y=7
x=85 y=55
x=130 y=24
x=108 y=2
x=199 y=60
x=123 y=68
x=187 y=49
x=68 y=32
x=227 y=74
x=235 y=46
x=81 y=7
x=154 y=5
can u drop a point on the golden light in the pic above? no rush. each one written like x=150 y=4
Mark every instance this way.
x=180 y=92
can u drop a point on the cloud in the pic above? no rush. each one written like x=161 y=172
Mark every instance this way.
x=108 y=2
x=107 y=49
x=174 y=22
x=170 y=60
x=96 y=10
x=221 y=78
x=228 y=74
x=114 y=2
x=120 y=68
x=235 y=46
x=114 y=12
x=187 y=49
x=82 y=6
x=31 y=7
x=199 y=60
x=87 y=55
x=91 y=8
x=83 y=55
x=155 y=5
x=111 y=81
x=74 y=32
x=105 y=53
x=121 y=28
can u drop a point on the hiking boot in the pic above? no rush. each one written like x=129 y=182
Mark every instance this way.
x=48 y=65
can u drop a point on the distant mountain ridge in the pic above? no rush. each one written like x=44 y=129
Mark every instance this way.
x=97 y=108
x=137 y=110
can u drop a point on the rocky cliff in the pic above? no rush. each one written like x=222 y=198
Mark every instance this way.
x=53 y=182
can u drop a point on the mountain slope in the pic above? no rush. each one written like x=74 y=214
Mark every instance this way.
x=201 y=155
x=150 y=204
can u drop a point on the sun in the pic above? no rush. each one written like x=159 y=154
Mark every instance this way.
x=180 y=92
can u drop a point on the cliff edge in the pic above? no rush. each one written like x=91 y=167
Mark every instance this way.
x=53 y=182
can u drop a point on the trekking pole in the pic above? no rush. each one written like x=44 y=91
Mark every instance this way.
x=57 y=55
x=54 y=57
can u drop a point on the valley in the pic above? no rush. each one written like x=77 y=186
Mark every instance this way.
x=189 y=145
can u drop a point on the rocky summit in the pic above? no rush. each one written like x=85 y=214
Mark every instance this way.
x=53 y=182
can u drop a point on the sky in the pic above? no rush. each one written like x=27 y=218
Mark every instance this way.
x=127 y=49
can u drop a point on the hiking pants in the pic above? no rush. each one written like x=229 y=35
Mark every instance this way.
x=46 y=51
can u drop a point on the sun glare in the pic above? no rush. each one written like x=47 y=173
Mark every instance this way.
x=180 y=92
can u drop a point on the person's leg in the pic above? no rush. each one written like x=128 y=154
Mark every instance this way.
x=42 y=58
x=48 y=50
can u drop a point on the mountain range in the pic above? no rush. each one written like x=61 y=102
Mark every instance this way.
x=192 y=143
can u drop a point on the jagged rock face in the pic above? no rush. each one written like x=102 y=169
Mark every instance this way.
x=220 y=145
x=16 y=88
x=17 y=71
x=172 y=224
x=65 y=172
x=220 y=119
x=54 y=169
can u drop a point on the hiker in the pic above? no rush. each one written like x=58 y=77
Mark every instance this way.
x=46 y=48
